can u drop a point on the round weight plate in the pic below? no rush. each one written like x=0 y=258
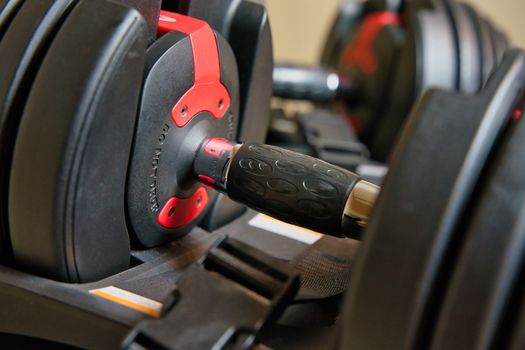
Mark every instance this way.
x=501 y=43
x=516 y=334
x=482 y=40
x=437 y=54
x=428 y=59
x=490 y=259
x=21 y=51
x=67 y=186
x=468 y=48
x=8 y=9
x=163 y=153
x=343 y=28
x=432 y=175
x=488 y=51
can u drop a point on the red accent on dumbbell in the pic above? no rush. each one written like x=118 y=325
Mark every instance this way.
x=361 y=50
x=518 y=113
x=217 y=145
x=206 y=180
x=207 y=94
x=179 y=212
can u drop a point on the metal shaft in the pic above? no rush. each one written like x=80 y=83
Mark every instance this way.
x=315 y=84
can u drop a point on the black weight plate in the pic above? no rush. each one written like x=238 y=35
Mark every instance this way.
x=254 y=56
x=516 y=335
x=377 y=86
x=436 y=49
x=501 y=43
x=66 y=193
x=150 y=11
x=468 y=47
x=161 y=165
x=491 y=257
x=8 y=9
x=483 y=38
x=347 y=20
x=431 y=177
x=428 y=59
x=488 y=50
x=21 y=52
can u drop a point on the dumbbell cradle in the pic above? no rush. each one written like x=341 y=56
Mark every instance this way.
x=289 y=186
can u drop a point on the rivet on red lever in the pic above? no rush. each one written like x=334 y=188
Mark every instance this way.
x=179 y=212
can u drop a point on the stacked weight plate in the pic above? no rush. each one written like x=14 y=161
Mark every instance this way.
x=442 y=255
x=32 y=25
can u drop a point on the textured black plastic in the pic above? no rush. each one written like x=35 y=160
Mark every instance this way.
x=8 y=10
x=66 y=194
x=485 y=46
x=485 y=274
x=417 y=218
x=150 y=11
x=291 y=187
x=470 y=57
x=21 y=52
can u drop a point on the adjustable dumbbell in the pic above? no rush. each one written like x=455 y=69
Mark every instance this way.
x=387 y=63
x=73 y=124
x=103 y=182
x=423 y=213
x=165 y=199
x=112 y=140
x=349 y=17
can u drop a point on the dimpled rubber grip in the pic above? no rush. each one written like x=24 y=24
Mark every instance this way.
x=292 y=187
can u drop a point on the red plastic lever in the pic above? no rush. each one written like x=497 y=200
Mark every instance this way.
x=207 y=94
x=179 y=212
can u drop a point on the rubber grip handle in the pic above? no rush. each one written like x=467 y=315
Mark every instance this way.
x=289 y=186
x=309 y=83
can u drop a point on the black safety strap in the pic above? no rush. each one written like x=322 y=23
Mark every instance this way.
x=325 y=267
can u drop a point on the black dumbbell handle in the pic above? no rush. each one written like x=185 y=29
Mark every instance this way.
x=289 y=186
x=310 y=83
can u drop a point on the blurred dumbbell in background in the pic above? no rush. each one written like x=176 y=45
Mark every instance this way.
x=377 y=59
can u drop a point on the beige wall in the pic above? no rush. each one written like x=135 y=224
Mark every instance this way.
x=299 y=26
